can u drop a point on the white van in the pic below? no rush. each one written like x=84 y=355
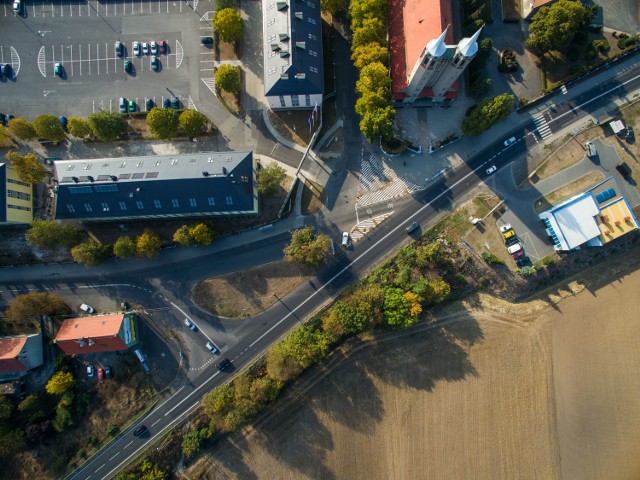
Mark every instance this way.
x=591 y=149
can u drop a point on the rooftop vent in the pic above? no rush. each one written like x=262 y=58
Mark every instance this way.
x=114 y=178
x=299 y=15
x=75 y=179
x=90 y=178
x=275 y=47
x=282 y=5
x=283 y=37
x=284 y=53
x=205 y=173
x=224 y=170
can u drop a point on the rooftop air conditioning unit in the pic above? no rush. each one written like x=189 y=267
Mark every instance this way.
x=205 y=173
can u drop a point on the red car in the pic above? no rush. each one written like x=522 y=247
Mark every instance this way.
x=162 y=47
x=100 y=375
x=515 y=256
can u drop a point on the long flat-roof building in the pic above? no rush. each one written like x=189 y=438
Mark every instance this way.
x=591 y=219
x=292 y=53
x=100 y=333
x=19 y=354
x=16 y=198
x=161 y=186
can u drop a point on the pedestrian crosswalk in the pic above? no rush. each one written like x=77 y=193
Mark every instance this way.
x=378 y=183
x=365 y=226
x=541 y=125
x=210 y=83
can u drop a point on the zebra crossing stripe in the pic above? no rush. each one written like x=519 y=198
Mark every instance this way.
x=365 y=226
x=210 y=83
x=541 y=125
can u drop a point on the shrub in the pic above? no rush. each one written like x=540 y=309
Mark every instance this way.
x=590 y=53
x=527 y=270
x=490 y=258
x=112 y=430
x=549 y=260
x=601 y=45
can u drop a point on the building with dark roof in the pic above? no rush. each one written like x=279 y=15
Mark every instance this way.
x=162 y=186
x=16 y=198
x=292 y=43
x=20 y=354
x=100 y=333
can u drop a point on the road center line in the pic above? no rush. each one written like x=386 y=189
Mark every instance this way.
x=187 y=397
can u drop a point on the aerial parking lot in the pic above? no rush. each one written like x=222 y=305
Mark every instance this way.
x=62 y=56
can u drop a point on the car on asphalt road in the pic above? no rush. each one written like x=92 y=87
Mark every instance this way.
x=63 y=122
x=149 y=104
x=5 y=70
x=625 y=170
x=412 y=228
x=89 y=370
x=17 y=6
x=207 y=40
x=100 y=375
x=212 y=348
x=224 y=364
x=346 y=241
x=189 y=324
x=123 y=105
x=166 y=103
x=155 y=64
x=128 y=66
x=509 y=141
x=162 y=47
x=57 y=69
x=119 y=49
x=153 y=46
x=132 y=106
x=175 y=103
x=107 y=372
x=87 y=308
x=145 y=48
x=139 y=431
x=136 y=49
x=591 y=149
x=491 y=169
x=516 y=247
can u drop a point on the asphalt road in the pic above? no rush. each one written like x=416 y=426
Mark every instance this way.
x=243 y=341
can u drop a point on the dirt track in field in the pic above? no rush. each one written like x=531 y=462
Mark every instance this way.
x=493 y=391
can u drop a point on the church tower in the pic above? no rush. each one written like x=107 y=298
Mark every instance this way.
x=430 y=64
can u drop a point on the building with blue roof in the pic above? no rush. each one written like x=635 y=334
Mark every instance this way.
x=150 y=187
x=292 y=49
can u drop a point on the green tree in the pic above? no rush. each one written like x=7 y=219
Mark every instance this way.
x=30 y=306
x=332 y=6
x=107 y=126
x=151 y=471
x=51 y=234
x=398 y=308
x=125 y=247
x=192 y=441
x=79 y=127
x=371 y=102
x=12 y=443
x=218 y=402
x=183 y=236
x=373 y=30
x=49 y=127
x=202 y=234
x=307 y=247
x=378 y=123
x=264 y=389
x=437 y=290
x=228 y=24
x=555 y=26
x=6 y=408
x=487 y=113
x=359 y=10
x=21 y=128
x=60 y=383
x=148 y=244
x=366 y=54
x=269 y=178
x=222 y=4
x=64 y=419
x=351 y=319
x=374 y=77
x=227 y=77
x=163 y=122
x=91 y=253
x=27 y=167
x=192 y=122
x=297 y=351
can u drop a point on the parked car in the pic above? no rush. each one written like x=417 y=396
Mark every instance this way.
x=505 y=228
x=17 y=6
x=412 y=228
x=87 y=308
x=123 y=105
x=625 y=170
x=517 y=254
x=189 y=324
x=509 y=141
x=207 y=40
x=119 y=49
x=224 y=364
x=491 y=169
x=153 y=46
x=132 y=106
x=516 y=247
x=136 y=49
x=155 y=64
x=212 y=348
x=508 y=234
x=90 y=370
x=100 y=375
x=166 y=103
x=145 y=48
x=139 y=431
x=511 y=240
x=128 y=66
x=629 y=137
x=63 y=122
x=346 y=241
x=162 y=47
x=5 y=70
x=107 y=372
x=149 y=104
x=175 y=103
x=57 y=69
x=591 y=149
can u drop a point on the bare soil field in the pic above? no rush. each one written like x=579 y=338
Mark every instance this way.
x=484 y=390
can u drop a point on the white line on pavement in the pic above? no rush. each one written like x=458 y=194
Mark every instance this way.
x=192 y=393
x=118 y=453
x=127 y=445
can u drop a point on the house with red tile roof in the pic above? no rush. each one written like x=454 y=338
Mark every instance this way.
x=100 y=333
x=19 y=354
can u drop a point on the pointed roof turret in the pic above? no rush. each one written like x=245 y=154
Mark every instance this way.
x=436 y=46
x=469 y=46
